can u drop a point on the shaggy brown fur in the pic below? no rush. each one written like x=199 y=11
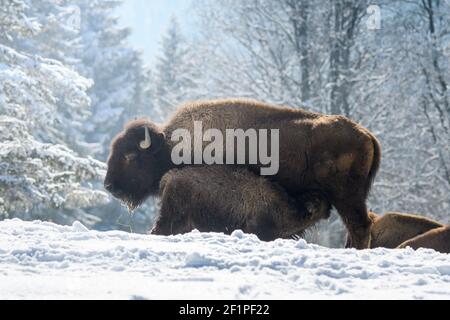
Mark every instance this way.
x=393 y=228
x=437 y=239
x=330 y=154
x=234 y=199
x=134 y=174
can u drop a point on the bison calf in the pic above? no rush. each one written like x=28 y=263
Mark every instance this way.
x=400 y=230
x=437 y=239
x=393 y=228
x=226 y=198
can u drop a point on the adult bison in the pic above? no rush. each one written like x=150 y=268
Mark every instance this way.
x=329 y=154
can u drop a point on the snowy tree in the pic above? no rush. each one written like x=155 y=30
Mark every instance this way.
x=345 y=18
x=39 y=175
x=101 y=53
x=257 y=42
x=415 y=66
x=315 y=54
x=326 y=56
x=175 y=73
x=59 y=39
x=434 y=22
x=116 y=69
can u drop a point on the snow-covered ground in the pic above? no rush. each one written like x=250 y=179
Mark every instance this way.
x=41 y=260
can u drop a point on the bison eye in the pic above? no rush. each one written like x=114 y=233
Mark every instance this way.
x=130 y=156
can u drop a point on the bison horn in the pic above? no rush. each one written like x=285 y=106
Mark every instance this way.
x=145 y=144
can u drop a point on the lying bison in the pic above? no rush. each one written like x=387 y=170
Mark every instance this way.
x=393 y=228
x=329 y=154
x=223 y=199
x=437 y=239
x=401 y=230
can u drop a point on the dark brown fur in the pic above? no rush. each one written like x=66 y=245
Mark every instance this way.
x=133 y=180
x=330 y=154
x=234 y=199
x=393 y=228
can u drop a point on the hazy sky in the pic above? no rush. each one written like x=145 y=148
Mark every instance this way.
x=149 y=19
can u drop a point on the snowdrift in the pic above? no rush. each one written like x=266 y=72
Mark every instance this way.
x=41 y=260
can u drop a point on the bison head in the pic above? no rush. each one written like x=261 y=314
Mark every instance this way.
x=138 y=159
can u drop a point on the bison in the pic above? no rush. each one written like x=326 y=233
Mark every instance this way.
x=223 y=198
x=393 y=228
x=401 y=230
x=437 y=239
x=325 y=153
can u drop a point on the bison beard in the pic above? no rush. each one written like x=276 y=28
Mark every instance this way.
x=226 y=198
x=329 y=154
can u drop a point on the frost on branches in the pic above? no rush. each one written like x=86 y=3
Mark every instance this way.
x=39 y=173
x=36 y=176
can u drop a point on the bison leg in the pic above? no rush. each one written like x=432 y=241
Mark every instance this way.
x=264 y=226
x=170 y=221
x=172 y=217
x=356 y=220
x=162 y=227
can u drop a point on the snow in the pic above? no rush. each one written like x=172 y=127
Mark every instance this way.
x=42 y=260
